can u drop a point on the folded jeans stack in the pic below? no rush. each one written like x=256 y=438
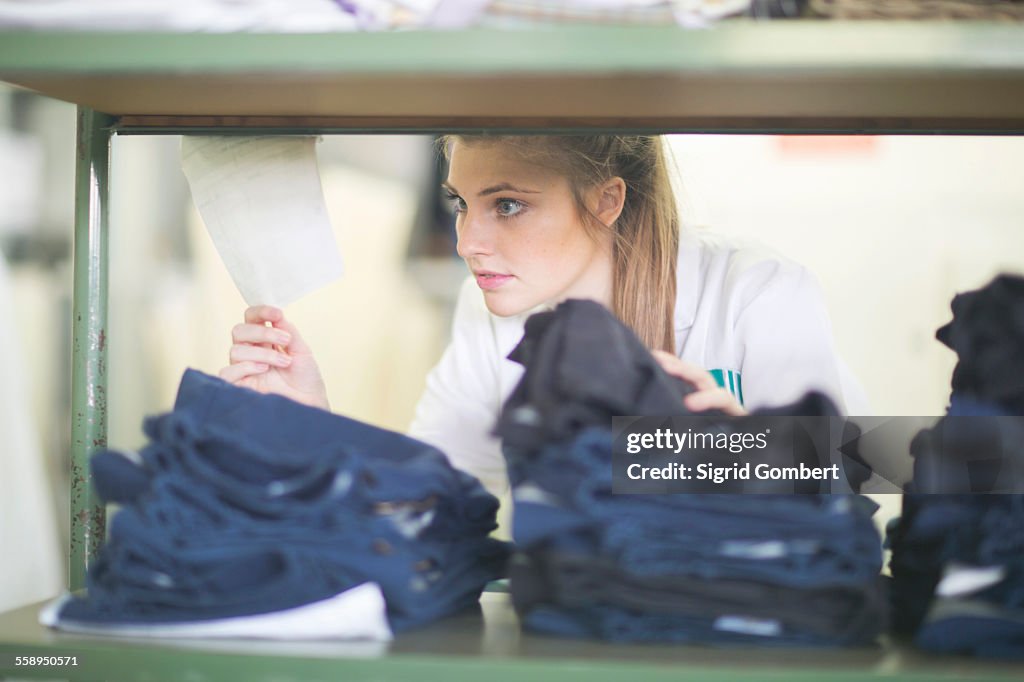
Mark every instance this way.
x=958 y=547
x=958 y=573
x=245 y=504
x=758 y=568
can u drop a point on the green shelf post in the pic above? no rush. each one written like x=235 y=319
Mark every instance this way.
x=89 y=337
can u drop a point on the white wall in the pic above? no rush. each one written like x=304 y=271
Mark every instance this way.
x=893 y=227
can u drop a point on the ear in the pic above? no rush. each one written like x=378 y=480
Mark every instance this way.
x=608 y=199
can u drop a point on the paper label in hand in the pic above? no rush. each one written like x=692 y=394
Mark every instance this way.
x=262 y=203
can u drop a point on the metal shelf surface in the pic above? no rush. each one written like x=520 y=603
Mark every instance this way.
x=486 y=644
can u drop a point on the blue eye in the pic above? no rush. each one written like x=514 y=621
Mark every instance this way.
x=508 y=208
x=458 y=205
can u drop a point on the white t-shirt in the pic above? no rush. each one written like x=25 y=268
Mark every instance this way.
x=753 y=318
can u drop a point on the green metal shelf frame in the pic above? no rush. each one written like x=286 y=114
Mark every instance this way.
x=739 y=76
x=763 y=47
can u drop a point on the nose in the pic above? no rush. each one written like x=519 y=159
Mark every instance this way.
x=474 y=237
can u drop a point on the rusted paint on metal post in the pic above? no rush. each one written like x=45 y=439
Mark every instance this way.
x=89 y=337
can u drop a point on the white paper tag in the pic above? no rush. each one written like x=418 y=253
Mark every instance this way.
x=960 y=579
x=262 y=203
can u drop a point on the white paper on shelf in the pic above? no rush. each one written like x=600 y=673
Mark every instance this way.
x=262 y=203
x=357 y=613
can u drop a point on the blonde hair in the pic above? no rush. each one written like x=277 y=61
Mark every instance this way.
x=645 y=237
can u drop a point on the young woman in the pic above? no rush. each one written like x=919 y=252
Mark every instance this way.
x=545 y=218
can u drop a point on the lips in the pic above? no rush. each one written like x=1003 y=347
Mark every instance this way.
x=488 y=281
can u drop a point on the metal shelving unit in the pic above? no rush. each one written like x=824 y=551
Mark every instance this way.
x=776 y=77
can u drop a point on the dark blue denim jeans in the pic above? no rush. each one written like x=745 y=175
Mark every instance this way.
x=565 y=500
x=937 y=530
x=833 y=614
x=973 y=627
x=772 y=569
x=624 y=625
x=246 y=503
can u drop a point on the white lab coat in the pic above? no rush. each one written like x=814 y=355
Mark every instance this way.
x=739 y=308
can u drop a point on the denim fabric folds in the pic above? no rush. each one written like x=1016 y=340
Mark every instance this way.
x=768 y=569
x=245 y=504
x=958 y=548
x=958 y=569
x=603 y=600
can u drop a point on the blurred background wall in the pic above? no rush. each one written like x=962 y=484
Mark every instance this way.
x=891 y=226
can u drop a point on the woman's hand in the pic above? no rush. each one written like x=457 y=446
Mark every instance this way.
x=708 y=394
x=274 y=359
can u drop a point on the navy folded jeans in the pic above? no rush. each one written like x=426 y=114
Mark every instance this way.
x=769 y=569
x=565 y=500
x=247 y=503
x=935 y=530
x=835 y=615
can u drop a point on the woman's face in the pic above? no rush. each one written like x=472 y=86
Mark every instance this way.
x=520 y=234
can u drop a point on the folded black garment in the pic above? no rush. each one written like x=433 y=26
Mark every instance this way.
x=987 y=333
x=583 y=366
x=844 y=615
x=246 y=504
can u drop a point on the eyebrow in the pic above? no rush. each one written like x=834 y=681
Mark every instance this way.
x=494 y=189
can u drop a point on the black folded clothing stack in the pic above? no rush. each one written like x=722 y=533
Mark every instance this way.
x=772 y=569
x=958 y=548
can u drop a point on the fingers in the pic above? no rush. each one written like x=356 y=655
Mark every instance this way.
x=243 y=352
x=258 y=314
x=296 y=344
x=252 y=352
x=258 y=333
x=242 y=370
x=698 y=377
x=708 y=395
x=252 y=331
x=714 y=399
